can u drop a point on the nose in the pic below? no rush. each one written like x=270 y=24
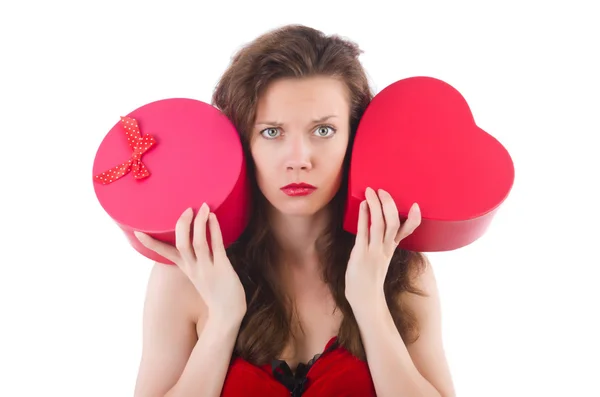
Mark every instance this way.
x=299 y=154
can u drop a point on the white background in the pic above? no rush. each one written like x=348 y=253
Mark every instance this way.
x=520 y=305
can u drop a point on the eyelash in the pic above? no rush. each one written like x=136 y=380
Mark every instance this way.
x=334 y=130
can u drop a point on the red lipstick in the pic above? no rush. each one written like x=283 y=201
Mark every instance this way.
x=298 y=189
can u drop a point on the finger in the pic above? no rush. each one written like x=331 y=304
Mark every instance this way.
x=376 y=216
x=182 y=236
x=412 y=222
x=362 y=230
x=163 y=249
x=216 y=238
x=200 y=244
x=391 y=217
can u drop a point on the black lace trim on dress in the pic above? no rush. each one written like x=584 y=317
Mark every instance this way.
x=295 y=383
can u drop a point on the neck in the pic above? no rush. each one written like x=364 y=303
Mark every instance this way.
x=297 y=235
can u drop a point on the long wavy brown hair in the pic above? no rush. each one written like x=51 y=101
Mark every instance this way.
x=299 y=51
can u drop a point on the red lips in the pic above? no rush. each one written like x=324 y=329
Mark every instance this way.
x=298 y=189
x=299 y=185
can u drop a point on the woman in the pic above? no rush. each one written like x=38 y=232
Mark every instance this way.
x=297 y=306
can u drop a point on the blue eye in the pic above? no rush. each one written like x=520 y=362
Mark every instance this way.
x=324 y=131
x=269 y=134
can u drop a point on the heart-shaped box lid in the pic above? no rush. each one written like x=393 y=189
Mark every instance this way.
x=419 y=141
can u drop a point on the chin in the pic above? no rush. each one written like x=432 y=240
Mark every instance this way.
x=300 y=206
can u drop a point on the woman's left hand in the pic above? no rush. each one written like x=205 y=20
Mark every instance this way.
x=374 y=247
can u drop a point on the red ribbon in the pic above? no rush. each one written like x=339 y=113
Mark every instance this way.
x=139 y=144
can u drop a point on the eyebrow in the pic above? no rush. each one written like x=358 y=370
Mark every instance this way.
x=319 y=120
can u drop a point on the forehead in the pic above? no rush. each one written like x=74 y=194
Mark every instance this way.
x=295 y=99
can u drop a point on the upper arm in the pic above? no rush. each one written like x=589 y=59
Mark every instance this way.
x=427 y=352
x=172 y=309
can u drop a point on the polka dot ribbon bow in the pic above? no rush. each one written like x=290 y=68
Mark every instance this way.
x=139 y=144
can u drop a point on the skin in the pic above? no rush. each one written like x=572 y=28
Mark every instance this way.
x=288 y=146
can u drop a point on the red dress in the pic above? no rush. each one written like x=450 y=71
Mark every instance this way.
x=333 y=373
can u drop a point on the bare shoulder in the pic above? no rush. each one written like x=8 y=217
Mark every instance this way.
x=426 y=308
x=424 y=280
x=427 y=352
x=173 y=316
x=170 y=285
x=168 y=281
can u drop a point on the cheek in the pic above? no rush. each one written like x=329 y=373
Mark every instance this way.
x=337 y=159
x=257 y=157
x=335 y=163
x=261 y=166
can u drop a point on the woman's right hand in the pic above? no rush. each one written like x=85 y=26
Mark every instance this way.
x=212 y=274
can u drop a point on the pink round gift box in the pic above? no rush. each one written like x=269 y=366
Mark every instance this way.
x=184 y=152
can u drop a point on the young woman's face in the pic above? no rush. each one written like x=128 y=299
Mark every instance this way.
x=300 y=137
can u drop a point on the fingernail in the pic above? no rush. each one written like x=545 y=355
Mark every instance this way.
x=417 y=208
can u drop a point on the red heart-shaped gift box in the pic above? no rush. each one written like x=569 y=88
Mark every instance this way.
x=418 y=140
x=167 y=156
